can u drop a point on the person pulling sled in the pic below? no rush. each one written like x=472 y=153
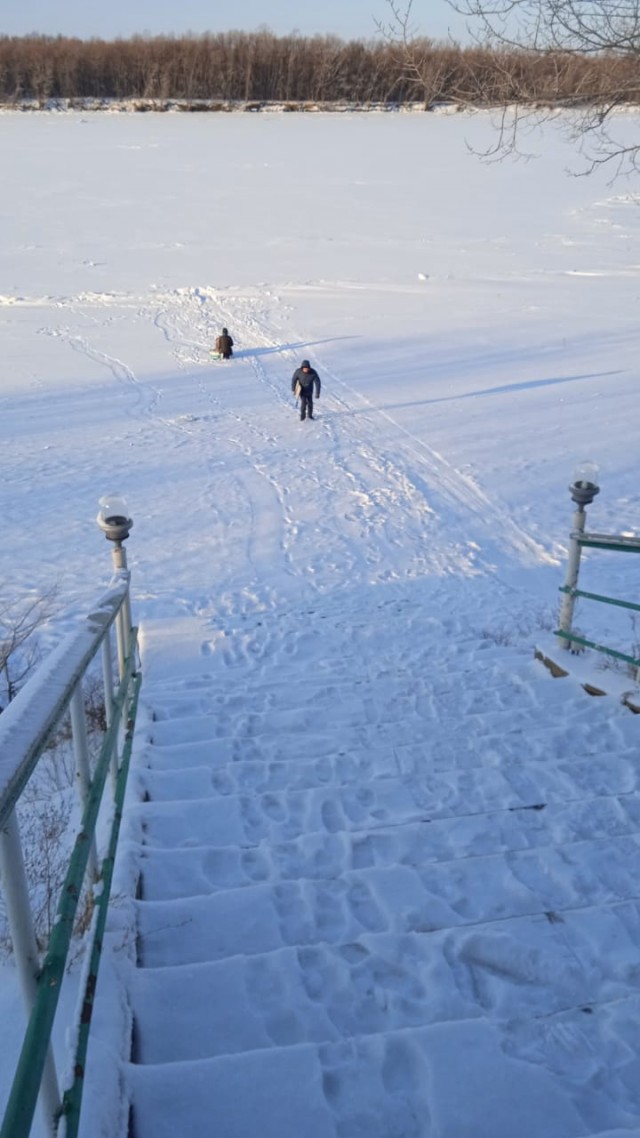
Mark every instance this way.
x=224 y=345
x=305 y=378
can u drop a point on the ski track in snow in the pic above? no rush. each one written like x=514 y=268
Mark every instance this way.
x=411 y=499
x=378 y=873
x=388 y=492
x=378 y=881
x=341 y=467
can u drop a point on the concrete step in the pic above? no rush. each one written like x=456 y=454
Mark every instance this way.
x=395 y=899
x=188 y=872
x=328 y=990
x=250 y=819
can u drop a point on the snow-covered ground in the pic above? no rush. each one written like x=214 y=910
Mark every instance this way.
x=388 y=865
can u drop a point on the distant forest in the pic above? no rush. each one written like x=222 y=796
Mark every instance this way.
x=238 y=67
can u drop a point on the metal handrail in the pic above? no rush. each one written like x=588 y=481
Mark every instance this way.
x=25 y=728
x=23 y=1097
x=599 y=597
x=571 y=637
x=581 y=538
x=27 y=722
x=72 y=1100
x=616 y=542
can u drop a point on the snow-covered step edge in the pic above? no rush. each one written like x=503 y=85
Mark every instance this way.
x=325 y=993
x=260 y=918
x=411 y=1081
x=176 y=874
x=276 y=818
x=362 y=767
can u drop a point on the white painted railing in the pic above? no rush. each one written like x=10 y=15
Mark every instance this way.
x=25 y=727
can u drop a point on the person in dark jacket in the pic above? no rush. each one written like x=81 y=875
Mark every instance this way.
x=224 y=345
x=305 y=378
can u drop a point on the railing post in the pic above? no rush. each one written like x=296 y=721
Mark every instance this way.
x=83 y=770
x=123 y=619
x=583 y=490
x=23 y=938
x=573 y=572
x=16 y=897
x=107 y=673
x=121 y=642
x=119 y=558
x=115 y=523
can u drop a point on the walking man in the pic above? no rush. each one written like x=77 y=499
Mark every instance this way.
x=305 y=378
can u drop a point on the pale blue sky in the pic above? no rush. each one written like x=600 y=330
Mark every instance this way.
x=110 y=18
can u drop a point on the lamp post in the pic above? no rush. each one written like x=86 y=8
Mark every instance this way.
x=114 y=521
x=583 y=490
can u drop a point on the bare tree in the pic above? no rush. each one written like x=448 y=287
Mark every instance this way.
x=603 y=36
x=576 y=26
x=422 y=66
x=19 y=644
x=518 y=62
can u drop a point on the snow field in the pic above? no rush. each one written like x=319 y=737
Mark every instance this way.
x=378 y=872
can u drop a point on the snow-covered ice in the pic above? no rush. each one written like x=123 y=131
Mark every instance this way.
x=378 y=870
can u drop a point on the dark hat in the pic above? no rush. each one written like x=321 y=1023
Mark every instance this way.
x=305 y=363
x=225 y=332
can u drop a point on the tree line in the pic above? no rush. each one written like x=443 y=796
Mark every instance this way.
x=261 y=67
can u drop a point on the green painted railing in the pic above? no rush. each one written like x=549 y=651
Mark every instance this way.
x=616 y=543
x=599 y=597
x=72 y=1100
x=572 y=638
x=25 y=728
x=23 y=1097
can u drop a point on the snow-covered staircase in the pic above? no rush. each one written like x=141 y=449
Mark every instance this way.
x=389 y=881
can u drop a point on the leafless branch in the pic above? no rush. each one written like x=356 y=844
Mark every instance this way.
x=19 y=644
